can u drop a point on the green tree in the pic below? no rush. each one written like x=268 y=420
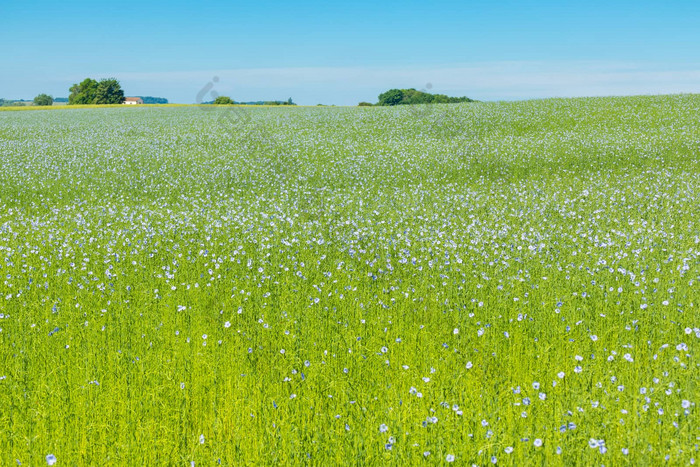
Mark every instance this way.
x=109 y=91
x=223 y=100
x=83 y=93
x=411 y=96
x=90 y=91
x=391 y=97
x=43 y=99
x=364 y=104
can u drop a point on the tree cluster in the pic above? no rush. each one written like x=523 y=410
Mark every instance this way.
x=43 y=100
x=153 y=100
x=90 y=91
x=225 y=100
x=412 y=96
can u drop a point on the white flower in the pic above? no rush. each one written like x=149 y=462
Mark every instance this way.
x=450 y=458
x=383 y=428
x=469 y=365
x=537 y=443
x=456 y=331
x=50 y=459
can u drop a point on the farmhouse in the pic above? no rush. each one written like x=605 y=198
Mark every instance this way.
x=133 y=101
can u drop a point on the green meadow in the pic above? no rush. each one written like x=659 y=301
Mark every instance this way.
x=512 y=283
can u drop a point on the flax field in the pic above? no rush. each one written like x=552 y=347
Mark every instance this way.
x=485 y=283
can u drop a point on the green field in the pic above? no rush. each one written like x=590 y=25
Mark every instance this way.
x=492 y=282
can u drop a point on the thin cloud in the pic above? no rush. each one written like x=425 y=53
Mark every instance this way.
x=486 y=81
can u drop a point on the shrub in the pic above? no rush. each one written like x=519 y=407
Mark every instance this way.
x=43 y=100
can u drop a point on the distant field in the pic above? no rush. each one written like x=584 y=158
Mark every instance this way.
x=65 y=106
x=494 y=282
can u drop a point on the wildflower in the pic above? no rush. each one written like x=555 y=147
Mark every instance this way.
x=508 y=449
x=537 y=443
x=201 y=439
x=450 y=458
x=50 y=459
x=383 y=428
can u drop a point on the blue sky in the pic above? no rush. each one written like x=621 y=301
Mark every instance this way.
x=343 y=53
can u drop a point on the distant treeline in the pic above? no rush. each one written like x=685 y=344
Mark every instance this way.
x=412 y=96
x=153 y=100
x=225 y=100
x=13 y=102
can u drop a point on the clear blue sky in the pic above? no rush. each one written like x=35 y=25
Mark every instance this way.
x=342 y=53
